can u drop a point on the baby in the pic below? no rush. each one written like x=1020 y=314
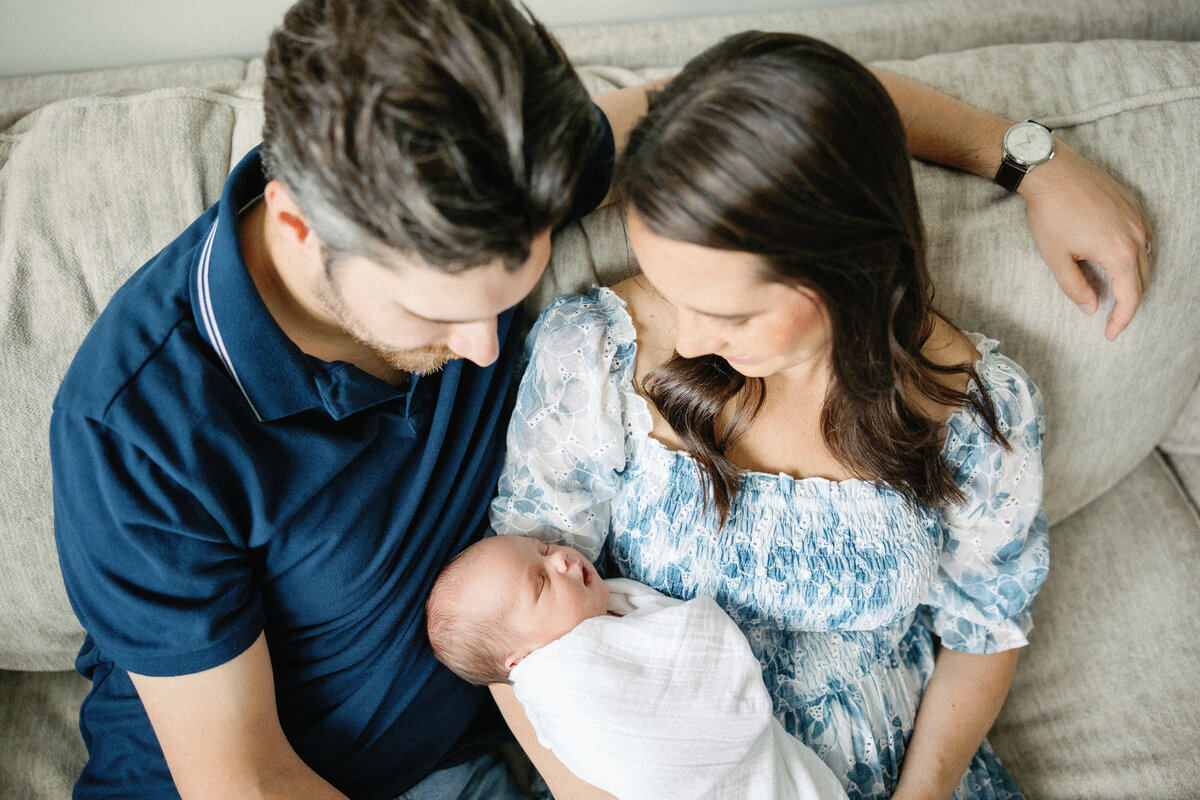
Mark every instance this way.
x=637 y=693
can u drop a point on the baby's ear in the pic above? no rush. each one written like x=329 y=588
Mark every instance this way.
x=514 y=658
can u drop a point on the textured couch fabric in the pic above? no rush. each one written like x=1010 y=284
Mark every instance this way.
x=99 y=170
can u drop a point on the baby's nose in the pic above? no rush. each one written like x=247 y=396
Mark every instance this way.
x=561 y=562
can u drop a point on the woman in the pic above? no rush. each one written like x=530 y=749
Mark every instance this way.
x=776 y=416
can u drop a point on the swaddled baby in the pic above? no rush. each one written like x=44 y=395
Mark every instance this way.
x=637 y=693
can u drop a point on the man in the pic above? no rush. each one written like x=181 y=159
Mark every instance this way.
x=289 y=419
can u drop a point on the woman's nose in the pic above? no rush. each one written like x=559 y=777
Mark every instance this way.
x=692 y=340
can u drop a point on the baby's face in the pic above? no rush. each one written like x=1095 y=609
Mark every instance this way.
x=541 y=590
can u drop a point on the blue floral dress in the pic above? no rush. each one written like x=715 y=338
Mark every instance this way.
x=838 y=586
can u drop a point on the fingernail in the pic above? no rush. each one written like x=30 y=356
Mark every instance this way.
x=1087 y=308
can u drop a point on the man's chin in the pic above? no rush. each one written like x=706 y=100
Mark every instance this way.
x=420 y=362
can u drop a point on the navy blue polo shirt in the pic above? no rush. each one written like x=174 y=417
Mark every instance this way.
x=212 y=482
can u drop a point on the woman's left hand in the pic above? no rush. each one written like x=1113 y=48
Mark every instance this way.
x=1077 y=212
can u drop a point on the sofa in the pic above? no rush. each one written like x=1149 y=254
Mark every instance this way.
x=99 y=170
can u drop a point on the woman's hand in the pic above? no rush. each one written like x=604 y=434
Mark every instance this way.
x=1078 y=212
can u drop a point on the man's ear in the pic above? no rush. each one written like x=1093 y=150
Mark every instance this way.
x=282 y=209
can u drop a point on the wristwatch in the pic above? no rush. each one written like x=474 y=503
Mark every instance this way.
x=1026 y=145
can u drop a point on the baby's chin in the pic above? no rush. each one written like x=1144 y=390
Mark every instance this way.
x=596 y=587
x=603 y=592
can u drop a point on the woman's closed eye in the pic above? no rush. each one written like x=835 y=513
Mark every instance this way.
x=729 y=322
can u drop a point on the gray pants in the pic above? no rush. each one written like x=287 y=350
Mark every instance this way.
x=488 y=777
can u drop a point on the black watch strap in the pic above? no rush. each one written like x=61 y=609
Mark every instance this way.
x=1009 y=175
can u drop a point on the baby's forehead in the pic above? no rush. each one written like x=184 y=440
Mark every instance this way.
x=502 y=547
x=506 y=542
x=481 y=568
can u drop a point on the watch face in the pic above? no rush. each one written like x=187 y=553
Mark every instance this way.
x=1028 y=143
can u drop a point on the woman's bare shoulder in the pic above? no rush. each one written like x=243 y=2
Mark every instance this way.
x=653 y=319
x=947 y=346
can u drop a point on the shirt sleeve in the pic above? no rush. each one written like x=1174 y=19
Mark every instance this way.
x=568 y=438
x=152 y=576
x=995 y=551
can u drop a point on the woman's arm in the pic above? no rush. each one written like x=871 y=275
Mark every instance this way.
x=995 y=557
x=563 y=784
x=1076 y=211
x=567 y=437
x=624 y=107
x=962 y=699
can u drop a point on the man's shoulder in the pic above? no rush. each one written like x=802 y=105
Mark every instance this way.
x=146 y=332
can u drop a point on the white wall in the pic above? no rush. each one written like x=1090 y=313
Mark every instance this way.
x=67 y=35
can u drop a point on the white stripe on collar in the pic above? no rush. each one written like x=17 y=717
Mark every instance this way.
x=210 y=320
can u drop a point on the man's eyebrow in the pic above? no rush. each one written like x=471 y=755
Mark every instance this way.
x=422 y=317
x=430 y=320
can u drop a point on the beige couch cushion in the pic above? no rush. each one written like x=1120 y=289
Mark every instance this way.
x=21 y=96
x=43 y=753
x=91 y=188
x=1184 y=437
x=1105 y=704
x=1187 y=469
x=893 y=30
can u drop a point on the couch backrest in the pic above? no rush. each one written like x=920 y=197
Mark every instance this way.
x=91 y=186
x=897 y=30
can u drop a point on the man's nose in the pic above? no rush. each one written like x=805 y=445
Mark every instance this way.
x=475 y=341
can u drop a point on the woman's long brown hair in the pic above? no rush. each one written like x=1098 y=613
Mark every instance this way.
x=783 y=146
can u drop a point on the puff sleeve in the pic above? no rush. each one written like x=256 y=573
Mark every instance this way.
x=568 y=440
x=995 y=548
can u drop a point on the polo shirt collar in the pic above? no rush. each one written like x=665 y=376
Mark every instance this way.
x=276 y=378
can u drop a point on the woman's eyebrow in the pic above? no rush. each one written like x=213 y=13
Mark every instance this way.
x=712 y=315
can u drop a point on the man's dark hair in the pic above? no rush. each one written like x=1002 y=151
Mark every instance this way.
x=452 y=130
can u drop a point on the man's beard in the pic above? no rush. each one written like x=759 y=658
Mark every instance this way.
x=418 y=360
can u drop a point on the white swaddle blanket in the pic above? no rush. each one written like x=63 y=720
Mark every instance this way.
x=665 y=702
